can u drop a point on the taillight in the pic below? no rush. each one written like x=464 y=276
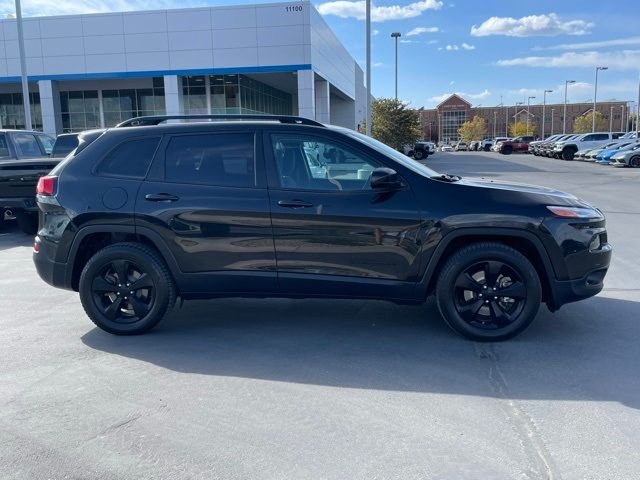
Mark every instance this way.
x=46 y=186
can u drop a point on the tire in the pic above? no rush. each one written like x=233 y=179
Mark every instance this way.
x=418 y=155
x=106 y=298
x=568 y=153
x=27 y=222
x=507 y=150
x=634 y=161
x=468 y=311
x=487 y=148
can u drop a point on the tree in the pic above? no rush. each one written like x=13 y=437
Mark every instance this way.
x=584 y=123
x=473 y=129
x=394 y=123
x=519 y=129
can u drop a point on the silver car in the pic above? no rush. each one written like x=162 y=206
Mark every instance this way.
x=629 y=157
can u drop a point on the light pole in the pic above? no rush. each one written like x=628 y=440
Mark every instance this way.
x=564 y=114
x=544 y=108
x=595 y=94
x=368 y=55
x=528 y=106
x=622 y=128
x=23 y=69
x=553 y=112
x=611 y=120
x=515 y=116
x=396 y=35
x=495 y=120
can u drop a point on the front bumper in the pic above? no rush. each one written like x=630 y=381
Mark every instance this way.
x=568 y=291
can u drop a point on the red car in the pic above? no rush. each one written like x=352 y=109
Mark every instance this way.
x=518 y=144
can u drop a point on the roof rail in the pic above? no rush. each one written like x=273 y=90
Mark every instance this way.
x=157 y=119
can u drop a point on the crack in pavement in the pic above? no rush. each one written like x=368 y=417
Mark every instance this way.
x=541 y=462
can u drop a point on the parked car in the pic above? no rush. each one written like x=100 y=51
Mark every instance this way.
x=566 y=149
x=65 y=143
x=138 y=216
x=591 y=155
x=24 y=158
x=446 y=148
x=423 y=150
x=494 y=147
x=604 y=157
x=517 y=144
x=629 y=157
x=534 y=147
x=460 y=146
x=474 y=146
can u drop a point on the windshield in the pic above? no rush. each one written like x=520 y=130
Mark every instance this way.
x=389 y=152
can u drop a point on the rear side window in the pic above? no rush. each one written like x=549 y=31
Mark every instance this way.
x=47 y=143
x=601 y=136
x=130 y=159
x=224 y=159
x=64 y=144
x=27 y=145
x=4 y=148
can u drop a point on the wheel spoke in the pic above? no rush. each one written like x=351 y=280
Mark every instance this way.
x=113 y=310
x=139 y=307
x=144 y=281
x=121 y=268
x=470 y=310
x=515 y=290
x=498 y=314
x=466 y=282
x=101 y=284
x=492 y=271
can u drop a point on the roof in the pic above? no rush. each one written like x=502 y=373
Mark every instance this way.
x=453 y=96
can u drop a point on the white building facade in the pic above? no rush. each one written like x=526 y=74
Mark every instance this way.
x=96 y=70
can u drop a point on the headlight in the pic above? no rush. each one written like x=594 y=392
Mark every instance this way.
x=574 y=212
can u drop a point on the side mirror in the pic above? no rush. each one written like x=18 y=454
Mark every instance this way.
x=385 y=179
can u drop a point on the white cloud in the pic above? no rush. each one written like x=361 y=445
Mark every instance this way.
x=466 y=46
x=33 y=8
x=356 y=9
x=431 y=42
x=451 y=82
x=471 y=96
x=452 y=47
x=594 y=45
x=378 y=64
x=402 y=40
x=532 y=25
x=577 y=87
x=623 y=60
x=421 y=30
x=375 y=32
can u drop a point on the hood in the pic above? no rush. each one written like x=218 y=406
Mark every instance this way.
x=549 y=193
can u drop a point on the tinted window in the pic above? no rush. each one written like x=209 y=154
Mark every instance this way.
x=27 y=145
x=64 y=144
x=47 y=143
x=4 y=148
x=318 y=164
x=601 y=136
x=129 y=159
x=223 y=159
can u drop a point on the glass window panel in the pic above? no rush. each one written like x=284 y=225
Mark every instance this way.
x=129 y=159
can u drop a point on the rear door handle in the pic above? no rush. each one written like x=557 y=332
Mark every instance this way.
x=294 y=204
x=161 y=197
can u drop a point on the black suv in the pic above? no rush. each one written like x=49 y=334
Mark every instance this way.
x=283 y=206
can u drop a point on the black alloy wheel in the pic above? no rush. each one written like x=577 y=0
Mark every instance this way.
x=126 y=288
x=488 y=292
x=634 y=161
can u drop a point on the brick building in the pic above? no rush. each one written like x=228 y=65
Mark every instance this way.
x=443 y=122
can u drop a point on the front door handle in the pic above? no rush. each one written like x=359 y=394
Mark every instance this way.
x=161 y=197
x=294 y=204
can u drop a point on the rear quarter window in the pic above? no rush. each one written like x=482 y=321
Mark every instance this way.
x=130 y=159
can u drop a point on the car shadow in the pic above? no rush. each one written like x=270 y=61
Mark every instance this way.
x=11 y=236
x=581 y=353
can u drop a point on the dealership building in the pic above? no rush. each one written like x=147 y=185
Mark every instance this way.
x=96 y=70
x=443 y=122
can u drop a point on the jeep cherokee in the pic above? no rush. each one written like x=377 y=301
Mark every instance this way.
x=269 y=206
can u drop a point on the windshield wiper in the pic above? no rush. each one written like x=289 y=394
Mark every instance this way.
x=445 y=177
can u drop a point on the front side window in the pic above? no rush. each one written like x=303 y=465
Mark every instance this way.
x=317 y=164
x=27 y=145
x=130 y=159
x=221 y=159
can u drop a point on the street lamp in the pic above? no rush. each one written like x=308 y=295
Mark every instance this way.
x=495 y=121
x=553 y=112
x=528 y=105
x=368 y=55
x=544 y=107
x=622 y=127
x=595 y=94
x=564 y=115
x=611 y=120
x=23 y=69
x=515 y=116
x=396 y=35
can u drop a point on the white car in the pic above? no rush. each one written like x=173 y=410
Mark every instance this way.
x=496 y=145
x=461 y=146
x=446 y=148
x=567 y=149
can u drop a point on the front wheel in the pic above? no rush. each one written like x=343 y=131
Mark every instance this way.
x=126 y=288
x=507 y=150
x=418 y=154
x=488 y=292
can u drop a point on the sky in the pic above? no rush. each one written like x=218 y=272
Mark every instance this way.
x=488 y=51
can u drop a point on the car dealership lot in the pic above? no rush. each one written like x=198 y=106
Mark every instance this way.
x=330 y=389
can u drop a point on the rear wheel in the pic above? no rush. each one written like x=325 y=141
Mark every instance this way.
x=27 y=222
x=507 y=150
x=568 y=153
x=488 y=292
x=418 y=154
x=126 y=289
x=634 y=161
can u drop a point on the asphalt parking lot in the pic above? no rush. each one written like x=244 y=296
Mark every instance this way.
x=318 y=389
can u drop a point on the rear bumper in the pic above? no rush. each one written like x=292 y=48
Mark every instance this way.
x=56 y=274
x=19 y=203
